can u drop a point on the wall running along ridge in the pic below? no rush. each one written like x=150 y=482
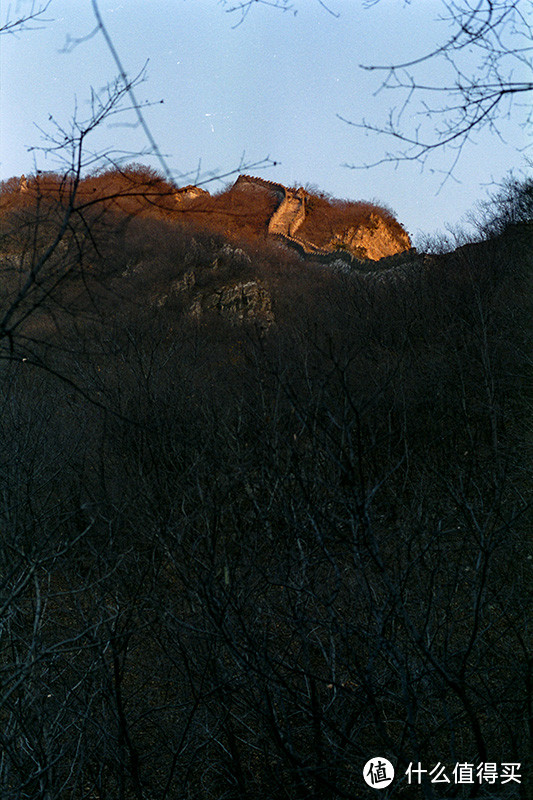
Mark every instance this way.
x=376 y=240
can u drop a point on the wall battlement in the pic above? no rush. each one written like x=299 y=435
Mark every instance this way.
x=373 y=242
x=245 y=181
x=290 y=214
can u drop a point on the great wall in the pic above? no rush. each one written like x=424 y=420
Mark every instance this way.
x=373 y=249
x=251 y=301
x=373 y=242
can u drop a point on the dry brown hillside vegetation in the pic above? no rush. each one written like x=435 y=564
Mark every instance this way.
x=243 y=209
x=262 y=516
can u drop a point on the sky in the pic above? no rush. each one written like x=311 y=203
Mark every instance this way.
x=220 y=94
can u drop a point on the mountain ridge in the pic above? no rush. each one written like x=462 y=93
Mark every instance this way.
x=311 y=222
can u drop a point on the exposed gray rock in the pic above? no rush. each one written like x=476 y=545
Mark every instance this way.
x=239 y=303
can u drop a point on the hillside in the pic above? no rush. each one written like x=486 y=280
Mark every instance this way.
x=251 y=207
x=266 y=506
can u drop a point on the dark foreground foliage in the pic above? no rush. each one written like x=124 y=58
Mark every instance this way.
x=238 y=562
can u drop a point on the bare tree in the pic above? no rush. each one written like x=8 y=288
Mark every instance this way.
x=32 y=19
x=50 y=255
x=489 y=57
x=238 y=578
x=243 y=7
x=510 y=205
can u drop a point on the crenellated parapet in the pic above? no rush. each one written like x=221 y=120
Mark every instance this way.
x=303 y=247
x=250 y=182
x=290 y=214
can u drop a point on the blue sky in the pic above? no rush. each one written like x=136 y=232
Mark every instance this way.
x=272 y=86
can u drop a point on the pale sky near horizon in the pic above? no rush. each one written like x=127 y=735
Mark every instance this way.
x=273 y=86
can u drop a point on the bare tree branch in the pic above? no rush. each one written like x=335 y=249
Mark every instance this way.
x=487 y=54
x=21 y=24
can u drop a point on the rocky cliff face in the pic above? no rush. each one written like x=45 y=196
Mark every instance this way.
x=375 y=240
x=240 y=302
